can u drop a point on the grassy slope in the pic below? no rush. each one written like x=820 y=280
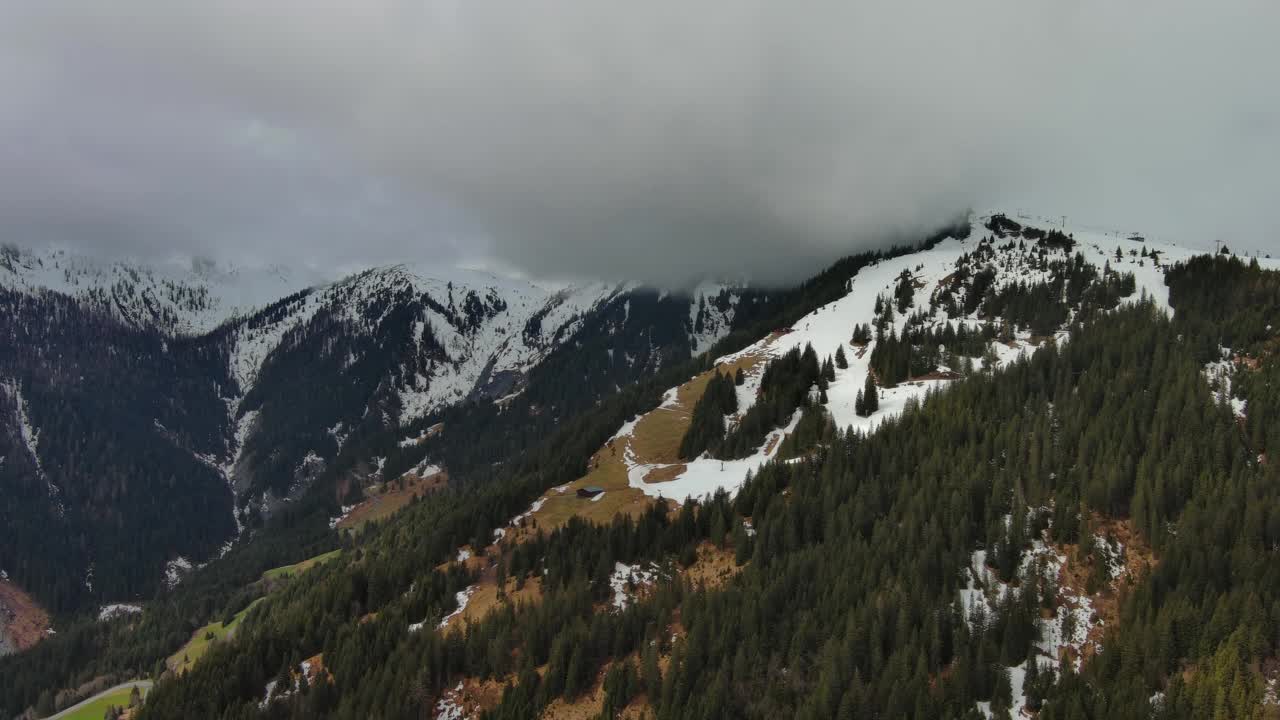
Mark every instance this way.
x=386 y=499
x=196 y=647
x=96 y=709
x=655 y=440
x=300 y=567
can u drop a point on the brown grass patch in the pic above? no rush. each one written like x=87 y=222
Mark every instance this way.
x=484 y=598
x=476 y=563
x=386 y=499
x=22 y=621
x=586 y=707
x=654 y=441
x=665 y=473
x=658 y=434
x=478 y=696
x=1073 y=578
x=714 y=566
x=316 y=669
x=937 y=375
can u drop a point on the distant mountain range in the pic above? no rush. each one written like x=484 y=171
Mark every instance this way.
x=153 y=412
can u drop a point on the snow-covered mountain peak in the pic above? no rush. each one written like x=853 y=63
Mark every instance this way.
x=992 y=284
x=178 y=297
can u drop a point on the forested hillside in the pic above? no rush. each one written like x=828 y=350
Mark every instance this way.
x=1051 y=496
x=859 y=592
x=107 y=436
x=639 y=334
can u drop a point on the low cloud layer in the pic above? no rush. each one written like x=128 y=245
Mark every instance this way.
x=654 y=140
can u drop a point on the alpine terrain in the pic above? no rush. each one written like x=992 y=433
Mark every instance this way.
x=1013 y=469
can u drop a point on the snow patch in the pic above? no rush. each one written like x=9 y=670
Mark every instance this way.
x=1218 y=376
x=1069 y=628
x=462 y=597
x=448 y=707
x=110 y=612
x=29 y=435
x=535 y=507
x=346 y=512
x=423 y=469
x=175 y=570
x=626 y=579
x=704 y=476
x=270 y=692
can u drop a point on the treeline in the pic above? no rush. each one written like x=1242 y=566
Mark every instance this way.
x=785 y=387
x=922 y=349
x=706 y=426
x=1072 y=291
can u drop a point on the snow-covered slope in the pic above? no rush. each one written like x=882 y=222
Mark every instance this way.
x=831 y=327
x=490 y=330
x=401 y=341
x=480 y=332
x=187 y=298
x=711 y=313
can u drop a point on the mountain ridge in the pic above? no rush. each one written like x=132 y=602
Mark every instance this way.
x=394 y=344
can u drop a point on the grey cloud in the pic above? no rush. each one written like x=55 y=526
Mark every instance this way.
x=654 y=140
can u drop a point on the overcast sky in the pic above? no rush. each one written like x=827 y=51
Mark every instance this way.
x=649 y=140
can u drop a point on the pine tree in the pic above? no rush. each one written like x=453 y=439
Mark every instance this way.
x=870 y=397
x=842 y=362
x=284 y=679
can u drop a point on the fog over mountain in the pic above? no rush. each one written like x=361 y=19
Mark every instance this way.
x=651 y=140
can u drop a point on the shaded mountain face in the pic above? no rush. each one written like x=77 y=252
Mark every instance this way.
x=109 y=435
x=147 y=418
